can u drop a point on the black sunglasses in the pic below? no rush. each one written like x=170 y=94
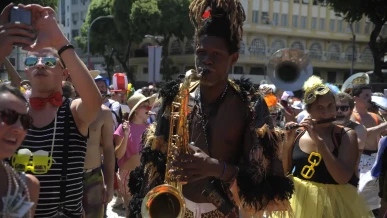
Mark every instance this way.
x=342 y=108
x=10 y=117
x=47 y=61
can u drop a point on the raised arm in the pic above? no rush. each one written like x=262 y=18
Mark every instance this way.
x=15 y=77
x=341 y=167
x=49 y=35
x=108 y=152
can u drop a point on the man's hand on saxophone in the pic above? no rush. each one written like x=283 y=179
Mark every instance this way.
x=198 y=165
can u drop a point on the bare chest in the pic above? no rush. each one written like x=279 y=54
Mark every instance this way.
x=367 y=120
x=219 y=133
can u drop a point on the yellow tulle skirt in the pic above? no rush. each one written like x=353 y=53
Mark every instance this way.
x=317 y=200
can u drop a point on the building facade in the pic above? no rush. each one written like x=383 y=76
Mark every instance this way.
x=71 y=16
x=275 y=24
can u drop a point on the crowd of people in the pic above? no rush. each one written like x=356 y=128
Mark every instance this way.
x=70 y=140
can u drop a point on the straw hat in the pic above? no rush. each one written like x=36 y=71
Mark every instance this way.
x=94 y=73
x=134 y=101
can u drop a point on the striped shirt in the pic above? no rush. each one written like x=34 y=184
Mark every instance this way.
x=41 y=139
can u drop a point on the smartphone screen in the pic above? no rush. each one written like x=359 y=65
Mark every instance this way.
x=20 y=15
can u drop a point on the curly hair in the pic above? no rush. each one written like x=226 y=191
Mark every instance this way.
x=225 y=20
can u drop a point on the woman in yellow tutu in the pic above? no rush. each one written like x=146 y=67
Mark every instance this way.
x=321 y=158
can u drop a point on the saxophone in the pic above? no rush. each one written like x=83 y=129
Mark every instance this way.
x=167 y=200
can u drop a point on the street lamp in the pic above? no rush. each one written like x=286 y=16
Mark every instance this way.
x=88 y=35
x=353 y=47
x=157 y=39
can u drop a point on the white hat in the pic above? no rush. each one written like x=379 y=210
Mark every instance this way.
x=380 y=101
x=358 y=78
x=297 y=105
x=286 y=95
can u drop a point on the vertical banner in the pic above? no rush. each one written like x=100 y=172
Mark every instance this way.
x=154 y=62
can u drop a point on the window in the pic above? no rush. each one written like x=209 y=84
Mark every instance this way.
x=255 y=16
x=340 y=26
x=83 y=16
x=349 y=53
x=257 y=47
x=295 y=21
x=367 y=28
x=75 y=17
x=68 y=22
x=331 y=77
x=275 y=19
x=314 y=23
x=297 y=45
x=13 y=61
x=74 y=33
x=242 y=48
x=284 y=18
x=322 y=24
x=265 y=18
x=333 y=52
x=304 y=23
x=68 y=8
x=315 y=51
x=238 y=70
x=257 y=71
x=357 y=27
x=332 y=25
x=145 y=70
x=74 y=2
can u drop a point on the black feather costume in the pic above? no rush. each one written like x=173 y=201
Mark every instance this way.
x=260 y=185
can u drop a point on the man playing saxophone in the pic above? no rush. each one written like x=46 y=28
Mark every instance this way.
x=233 y=145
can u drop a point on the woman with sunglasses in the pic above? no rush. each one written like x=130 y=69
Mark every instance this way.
x=19 y=192
x=127 y=137
x=321 y=158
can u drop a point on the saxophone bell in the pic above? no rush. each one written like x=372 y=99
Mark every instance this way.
x=167 y=200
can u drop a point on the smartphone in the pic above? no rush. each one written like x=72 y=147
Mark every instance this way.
x=20 y=15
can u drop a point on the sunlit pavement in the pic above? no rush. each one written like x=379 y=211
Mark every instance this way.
x=114 y=212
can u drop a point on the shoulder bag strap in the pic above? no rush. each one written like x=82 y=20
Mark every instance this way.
x=65 y=158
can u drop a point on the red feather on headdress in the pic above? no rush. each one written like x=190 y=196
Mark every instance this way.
x=207 y=13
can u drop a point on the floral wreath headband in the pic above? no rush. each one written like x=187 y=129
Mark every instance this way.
x=312 y=92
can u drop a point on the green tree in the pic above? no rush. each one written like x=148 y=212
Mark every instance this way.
x=375 y=11
x=174 y=22
x=134 y=19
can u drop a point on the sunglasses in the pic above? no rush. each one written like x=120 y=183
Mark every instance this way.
x=47 y=61
x=342 y=108
x=10 y=117
x=38 y=162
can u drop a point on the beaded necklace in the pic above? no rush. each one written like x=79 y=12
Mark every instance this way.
x=203 y=117
x=15 y=200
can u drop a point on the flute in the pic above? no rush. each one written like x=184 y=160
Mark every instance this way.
x=317 y=122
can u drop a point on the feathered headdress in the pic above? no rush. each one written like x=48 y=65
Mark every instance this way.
x=313 y=87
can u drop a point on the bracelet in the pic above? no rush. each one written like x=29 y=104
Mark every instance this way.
x=224 y=170
x=64 y=48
